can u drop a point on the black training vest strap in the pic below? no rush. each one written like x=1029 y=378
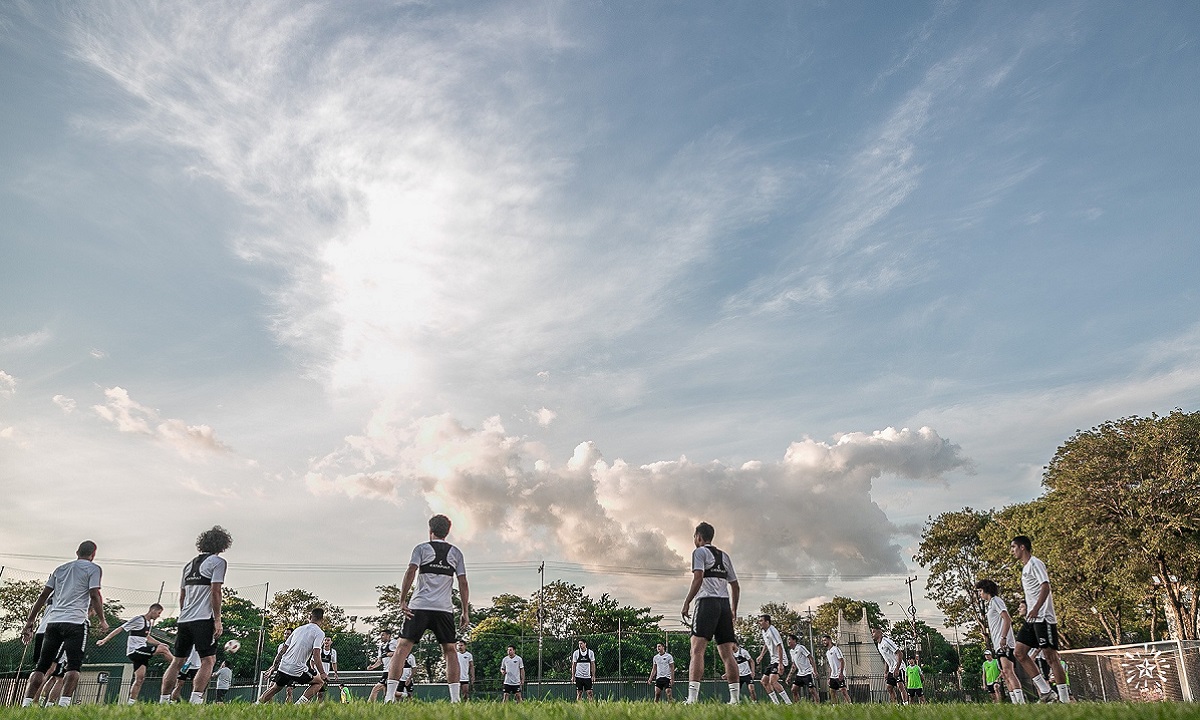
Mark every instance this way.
x=145 y=629
x=193 y=576
x=327 y=657
x=440 y=564
x=718 y=569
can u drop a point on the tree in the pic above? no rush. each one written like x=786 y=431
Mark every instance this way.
x=1133 y=484
x=825 y=619
x=291 y=608
x=951 y=548
x=936 y=652
x=16 y=598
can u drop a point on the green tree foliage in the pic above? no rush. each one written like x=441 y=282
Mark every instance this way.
x=290 y=608
x=936 y=653
x=951 y=548
x=825 y=619
x=16 y=598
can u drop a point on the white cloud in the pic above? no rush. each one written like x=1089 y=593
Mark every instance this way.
x=98 y=354
x=8 y=385
x=811 y=512
x=129 y=416
x=26 y=342
x=67 y=404
x=544 y=416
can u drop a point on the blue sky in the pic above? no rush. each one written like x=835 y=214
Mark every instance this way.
x=581 y=274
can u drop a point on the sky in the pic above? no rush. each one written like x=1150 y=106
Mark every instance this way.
x=579 y=275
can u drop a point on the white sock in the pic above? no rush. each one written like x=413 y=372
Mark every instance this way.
x=27 y=702
x=197 y=699
x=774 y=697
x=786 y=699
x=389 y=695
x=132 y=701
x=64 y=701
x=735 y=692
x=302 y=700
x=455 y=692
x=1040 y=683
x=164 y=699
x=1064 y=693
x=693 y=691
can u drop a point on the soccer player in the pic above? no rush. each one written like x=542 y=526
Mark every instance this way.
x=187 y=673
x=434 y=565
x=837 y=670
x=773 y=649
x=716 y=591
x=302 y=656
x=662 y=672
x=329 y=663
x=387 y=650
x=583 y=669
x=746 y=669
x=466 y=669
x=1001 y=632
x=279 y=651
x=893 y=659
x=200 y=611
x=512 y=672
x=140 y=647
x=802 y=670
x=990 y=673
x=224 y=678
x=1041 y=624
x=408 y=677
x=76 y=589
x=915 y=680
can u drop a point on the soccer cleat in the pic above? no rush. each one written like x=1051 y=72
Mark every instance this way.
x=1048 y=697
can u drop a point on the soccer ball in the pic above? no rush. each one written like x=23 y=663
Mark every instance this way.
x=232 y=646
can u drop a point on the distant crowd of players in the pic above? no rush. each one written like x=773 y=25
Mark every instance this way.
x=306 y=657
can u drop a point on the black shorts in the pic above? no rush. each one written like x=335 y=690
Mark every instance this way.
x=198 y=635
x=583 y=683
x=892 y=680
x=190 y=673
x=662 y=682
x=282 y=679
x=1007 y=654
x=835 y=684
x=771 y=669
x=714 y=618
x=993 y=688
x=512 y=689
x=803 y=681
x=1039 y=635
x=746 y=679
x=441 y=622
x=916 y=692
x=70 y=637
x=141 y=657
x=221 y=692
x=37 y=646
x=383 y=679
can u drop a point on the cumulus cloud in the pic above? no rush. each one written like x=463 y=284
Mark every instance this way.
x=130 y=416
x=67 y=404
x=544 y=416
x=810 y=512
x=8 y=384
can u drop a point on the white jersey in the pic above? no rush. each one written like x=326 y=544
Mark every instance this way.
x=465 y=659
x=837 y=662
x=512 y=667
x=662 y=665
x=995 y=619
x=1032 y=576
x=139 y=625
x=888 y=650
x=72 y=584
x=774 y=643
x=410 y=664
x=224 y=678
x=802 y=659
x=385 y=653
x=743 y=659
x=297 y=659
x=438 y=562
x=198 y=576
x=583 y=660
x=328 y=659
x=718 y=572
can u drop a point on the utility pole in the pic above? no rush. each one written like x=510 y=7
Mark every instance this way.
x=541 y=612
x=912 y=611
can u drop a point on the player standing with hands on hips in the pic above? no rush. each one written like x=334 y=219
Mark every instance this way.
x=716 y=591
x=433 y=565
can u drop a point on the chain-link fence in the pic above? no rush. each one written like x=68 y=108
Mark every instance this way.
x=1147 y=672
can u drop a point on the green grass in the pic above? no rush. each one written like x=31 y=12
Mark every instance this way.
x=618 y=711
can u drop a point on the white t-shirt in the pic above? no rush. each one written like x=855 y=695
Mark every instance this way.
x=512 y=667
x=135 y=642
x=224 y=678
x=384 y=650
x=995 y=618
x=773 y=641
x=41 y=628
x=465 y=658
x=836 y=661
x=72 y=584
x=662 y=665
x=197 y=599
x=703 y=559
x=888 y=650
x=743 y=661
x=802 y=658
x=1032 y=576
x=332 y=660
x=583 y=660
x=300 y=646
x=434 y=591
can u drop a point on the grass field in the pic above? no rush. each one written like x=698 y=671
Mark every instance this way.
x=621 y=711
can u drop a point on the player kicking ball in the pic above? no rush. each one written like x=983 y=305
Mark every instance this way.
x=301 y=661
x=140 y=647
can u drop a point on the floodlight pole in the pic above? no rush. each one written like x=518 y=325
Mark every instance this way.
x=541 y=612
